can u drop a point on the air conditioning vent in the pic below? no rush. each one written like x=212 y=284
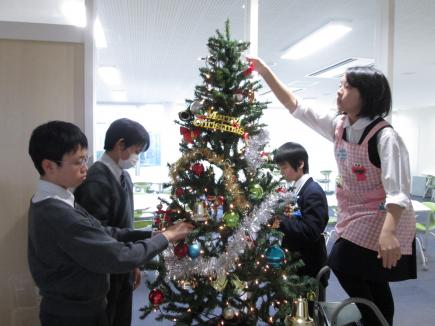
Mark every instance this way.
x=337 y=70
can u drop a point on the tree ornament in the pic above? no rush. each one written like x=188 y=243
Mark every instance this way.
x=189 y=134
x=221 y=200
x=265 y=156
x=299 y=315
x=179 y=192
x=220 y=283
x=200 y=211
x=159 y=206
x=275 y=256
x=256 y=192
x=181 y=249
x=194 y=250
x=196 y=107
x=156 y=297
x=245 y=136
x=186 y=115
x=251 y=95
x=296 y=214
x=197 y=169
x=249 y=69
x=229 y=313
x=158 y=223
x=239 y=286
x=238 y=96
x=231 y=219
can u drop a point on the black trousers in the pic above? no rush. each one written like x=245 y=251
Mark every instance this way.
x=378 y=292
x=119 y=300
x=54 y=320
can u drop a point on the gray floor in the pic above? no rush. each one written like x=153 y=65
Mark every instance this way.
x=414 y=299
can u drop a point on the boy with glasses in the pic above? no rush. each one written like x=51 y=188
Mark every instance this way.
x=69 y=252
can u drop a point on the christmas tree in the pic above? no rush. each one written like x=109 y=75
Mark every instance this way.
x=231 y=269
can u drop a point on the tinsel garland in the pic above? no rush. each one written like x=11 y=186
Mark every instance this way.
x=253 y=148
x=230 y=179
x=216 y=267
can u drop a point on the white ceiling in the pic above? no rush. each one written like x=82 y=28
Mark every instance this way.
x=156 y=43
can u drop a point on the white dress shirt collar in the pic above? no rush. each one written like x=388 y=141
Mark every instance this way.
x=298 y=184
x=112 y=165
x=355 y=131
x=46 y=190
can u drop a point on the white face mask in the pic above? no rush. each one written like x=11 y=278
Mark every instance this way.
x=130 y=162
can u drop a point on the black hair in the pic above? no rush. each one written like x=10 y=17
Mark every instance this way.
x=293 y=154
x=54 y=139
x=374 y=89
x=131 y=131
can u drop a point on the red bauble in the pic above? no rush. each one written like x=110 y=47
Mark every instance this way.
x=280 y=189
x=221 y=200
x=248 y=71
x=179 y=192
x=156 y=297
x=197 y=169
x=181 y=250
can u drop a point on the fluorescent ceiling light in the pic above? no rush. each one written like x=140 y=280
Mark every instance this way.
x=75 y=12
x=119 y=96
x=110 y=75
x=317 y=40
x=338 y=69
x=99 y=36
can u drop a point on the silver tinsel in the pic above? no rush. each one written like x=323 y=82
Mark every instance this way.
x=253 y=149
x=218 y=266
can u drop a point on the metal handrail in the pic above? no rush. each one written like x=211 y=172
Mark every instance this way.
x=366 y=302
x=349 y=301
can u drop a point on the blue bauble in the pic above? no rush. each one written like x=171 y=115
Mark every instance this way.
x=194 y=250
x=275 y=256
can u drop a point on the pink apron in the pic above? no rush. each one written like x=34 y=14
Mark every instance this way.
x=361 y=196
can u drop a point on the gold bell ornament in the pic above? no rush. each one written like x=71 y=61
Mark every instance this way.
x=299 y=316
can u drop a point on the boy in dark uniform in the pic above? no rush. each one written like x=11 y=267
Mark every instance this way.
x=303 y=232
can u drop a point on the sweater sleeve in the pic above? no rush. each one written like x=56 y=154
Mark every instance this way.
x=96 y=198
x=309 y=227
x=94 y=249
x=128 y=235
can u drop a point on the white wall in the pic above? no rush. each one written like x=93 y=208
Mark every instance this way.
x=39 y=81
x=282 y=128
x=417 y=128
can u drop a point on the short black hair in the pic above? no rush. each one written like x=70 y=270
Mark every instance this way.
x=131 y=131
x=374 y=89
x=293 y=154
x=54 y=139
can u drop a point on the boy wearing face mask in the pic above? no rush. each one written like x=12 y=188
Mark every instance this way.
x=107 y=194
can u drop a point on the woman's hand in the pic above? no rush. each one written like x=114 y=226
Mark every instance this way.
x=282 y=93
x=389 y=246
x=389 y=249
x=259 y=65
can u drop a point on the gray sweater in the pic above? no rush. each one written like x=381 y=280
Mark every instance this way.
x=70 y=255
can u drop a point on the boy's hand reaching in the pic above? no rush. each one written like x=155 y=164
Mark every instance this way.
x=178 y=231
